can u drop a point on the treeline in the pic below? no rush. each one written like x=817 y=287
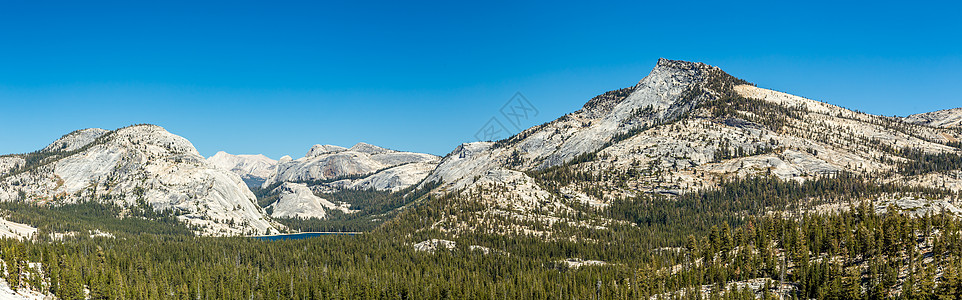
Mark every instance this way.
x=653 y=246
x=921 y=162
x=340 y=267
x=726 y=151
x=734 y=201
x=86 y=216
x=856 y=254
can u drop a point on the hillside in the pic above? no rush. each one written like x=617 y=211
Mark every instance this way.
x=133 y=166
x=685 y=128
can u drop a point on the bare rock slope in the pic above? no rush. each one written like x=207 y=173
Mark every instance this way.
x=297 y=200
x=131 y=165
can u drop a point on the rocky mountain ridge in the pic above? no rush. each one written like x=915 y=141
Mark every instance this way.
x=330 y=168
x=685 y=127
x=294 y=186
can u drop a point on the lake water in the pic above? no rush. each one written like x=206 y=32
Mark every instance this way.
x=302 y=235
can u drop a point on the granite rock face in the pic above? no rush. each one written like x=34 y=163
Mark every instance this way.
x=296 y=200
x=139 y=164
x=75 y=140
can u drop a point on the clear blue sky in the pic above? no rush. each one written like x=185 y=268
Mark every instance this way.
x=248 y=77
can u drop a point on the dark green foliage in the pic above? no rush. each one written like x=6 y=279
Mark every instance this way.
x=733 y=201
x=770 y=115
x=266 y=196
x=91 y=215
x=561 y=175
x=383 y=265
x=608 y=99
x=726 y=151
x=721 y=228
x=515 y=159
x=338 y=267
x=627 y=134
x=920 y=162
x=722 y=82
x=335 y=221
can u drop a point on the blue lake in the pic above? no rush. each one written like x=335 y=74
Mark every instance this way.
x=302 y=235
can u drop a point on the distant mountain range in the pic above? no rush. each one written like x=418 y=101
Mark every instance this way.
x=327 y=169
x=685 y=127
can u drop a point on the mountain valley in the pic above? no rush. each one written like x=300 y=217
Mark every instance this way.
x=691 y=182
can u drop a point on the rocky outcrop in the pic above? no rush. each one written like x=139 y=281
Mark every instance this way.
x=433 y=245
x=669 y=121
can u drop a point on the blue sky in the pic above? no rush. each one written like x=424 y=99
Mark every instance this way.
x=260 y=77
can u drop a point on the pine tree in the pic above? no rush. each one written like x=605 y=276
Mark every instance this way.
x=71 y=280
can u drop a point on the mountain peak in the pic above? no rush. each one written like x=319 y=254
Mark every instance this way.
x=319 y=149
x=940 y=118
x=148 y=134
x=368 y=148
x=666 y=68
x=75 y=140
x=682 y=64
x=144 y=126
